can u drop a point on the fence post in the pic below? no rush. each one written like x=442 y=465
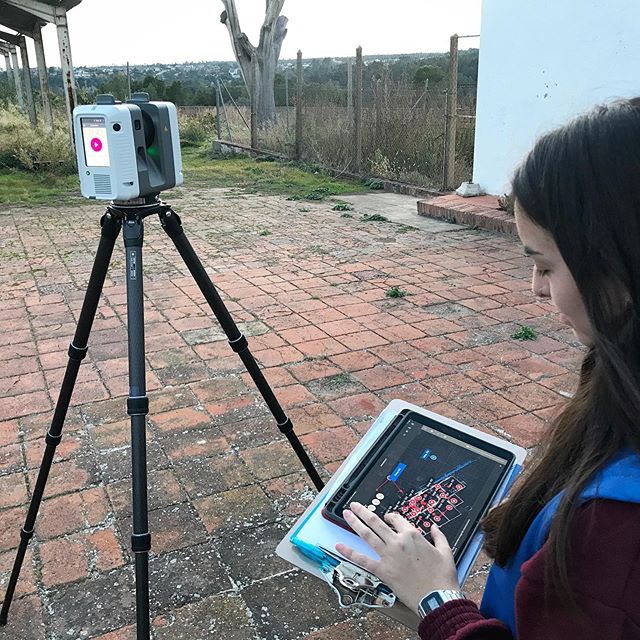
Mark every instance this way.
x=299 y=107
x=286 y=97
x=358 y=112
x=254 y=103
x=452 y=113
x=349 y=90
x=218 y=100
x=378 y=102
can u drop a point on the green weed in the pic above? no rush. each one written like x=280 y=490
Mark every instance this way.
x=524 y=333
x=395 y=292
x=338 y=380
x=374 y=217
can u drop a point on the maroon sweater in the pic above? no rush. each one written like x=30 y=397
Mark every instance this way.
x=604 y=571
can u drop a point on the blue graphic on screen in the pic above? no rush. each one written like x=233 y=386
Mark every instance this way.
x=429 y=477
x=397 y=471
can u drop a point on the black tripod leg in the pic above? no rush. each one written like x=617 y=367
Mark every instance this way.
x=138 y=408
x=172 y=225
x=77 y=351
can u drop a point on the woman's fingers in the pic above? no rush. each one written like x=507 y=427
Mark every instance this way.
x=440 y=541
x=358 y=558
x=399 y=523
x=370 y=519
x=364 y=531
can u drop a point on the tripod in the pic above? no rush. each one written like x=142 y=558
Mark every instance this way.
x=129 y=216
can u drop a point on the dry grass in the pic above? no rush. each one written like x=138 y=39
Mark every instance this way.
x=403 y=134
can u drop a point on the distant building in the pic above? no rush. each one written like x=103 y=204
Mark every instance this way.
x=540 y=64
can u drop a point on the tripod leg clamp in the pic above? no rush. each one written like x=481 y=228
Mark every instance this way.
x=77 y=354
x=138 y=406
x=239 y=344
x=51 y=440
x=286 y=426
x=26 y=535
x=141 y=542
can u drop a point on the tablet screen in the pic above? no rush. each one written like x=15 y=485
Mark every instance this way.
x=429 y=472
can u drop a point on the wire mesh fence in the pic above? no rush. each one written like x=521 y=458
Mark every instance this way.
x=402 y=128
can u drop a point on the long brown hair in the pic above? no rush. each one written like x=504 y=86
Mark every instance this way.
x=581 y=184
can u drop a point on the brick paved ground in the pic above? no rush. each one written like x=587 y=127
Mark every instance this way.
x=308 y=286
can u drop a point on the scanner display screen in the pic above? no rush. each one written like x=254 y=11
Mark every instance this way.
x=94 y=139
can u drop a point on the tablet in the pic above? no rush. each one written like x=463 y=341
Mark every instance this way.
x=428 y=472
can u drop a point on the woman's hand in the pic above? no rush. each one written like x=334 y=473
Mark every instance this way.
x=409 y=564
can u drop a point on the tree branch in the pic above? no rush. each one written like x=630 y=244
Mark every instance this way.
x=242 y=47
x=270 y=25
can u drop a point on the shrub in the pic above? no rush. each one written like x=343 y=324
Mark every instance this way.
x=196 y=128
x=36 y=150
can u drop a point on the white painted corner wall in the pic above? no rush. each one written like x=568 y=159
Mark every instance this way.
x=541 y=63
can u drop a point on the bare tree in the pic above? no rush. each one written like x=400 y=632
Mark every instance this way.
x=258 y=64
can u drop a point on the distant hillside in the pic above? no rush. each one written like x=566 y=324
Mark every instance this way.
x=193 y=83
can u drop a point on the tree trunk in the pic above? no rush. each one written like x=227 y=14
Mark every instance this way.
x=263 y=58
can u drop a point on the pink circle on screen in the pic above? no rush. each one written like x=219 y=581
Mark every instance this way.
x=96 y=144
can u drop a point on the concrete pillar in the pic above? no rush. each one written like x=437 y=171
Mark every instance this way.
x=7 y=62
x=16 y=77
x=68 y=80
x=44 y=78
x=26 y=74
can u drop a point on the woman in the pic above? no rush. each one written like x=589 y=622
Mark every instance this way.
x=566 y=544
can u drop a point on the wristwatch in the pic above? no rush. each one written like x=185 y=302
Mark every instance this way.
x=436 y=598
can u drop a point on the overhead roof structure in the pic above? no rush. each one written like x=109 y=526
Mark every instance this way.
x=27 y=17
x=22 y=15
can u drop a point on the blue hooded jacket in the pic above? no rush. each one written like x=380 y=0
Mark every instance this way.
x=618 y=480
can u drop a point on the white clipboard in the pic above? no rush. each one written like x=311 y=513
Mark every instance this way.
x=314 y=528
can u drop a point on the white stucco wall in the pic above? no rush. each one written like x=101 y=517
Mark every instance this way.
x=542 y=62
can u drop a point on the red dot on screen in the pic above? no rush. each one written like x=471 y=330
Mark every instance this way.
x=96 y=144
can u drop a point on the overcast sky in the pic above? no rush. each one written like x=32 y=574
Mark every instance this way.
x=107 y=32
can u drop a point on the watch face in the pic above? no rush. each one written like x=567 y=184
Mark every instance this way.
x=434 y=599
x=431 y=602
